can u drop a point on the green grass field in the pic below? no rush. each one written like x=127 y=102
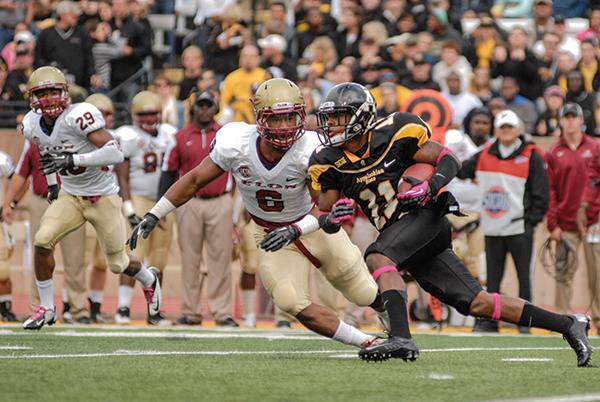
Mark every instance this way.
x=139 y=364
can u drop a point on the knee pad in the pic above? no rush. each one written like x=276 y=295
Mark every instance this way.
x=44 y=239
x=357 y=285
x=117 y=262
x=286 y=297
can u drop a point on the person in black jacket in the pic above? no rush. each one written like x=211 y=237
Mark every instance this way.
x=126 y=31
x=68 y=46
x=512 y=176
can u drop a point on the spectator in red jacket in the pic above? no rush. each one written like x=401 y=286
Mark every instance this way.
x=574 y=174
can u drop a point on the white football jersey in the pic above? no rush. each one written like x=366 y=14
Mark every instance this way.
x=7 y=167
x=145 y=153
x=277 y=195
x=69 y=135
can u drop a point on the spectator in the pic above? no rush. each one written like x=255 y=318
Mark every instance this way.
x=388 y=73
x=424 y=45
x=571 y=8
x=547 y=123
x=164 y=88
x=278 y=17
x=166 y=7
x=316 y=27
x=406 y=23
x=420 y=74
x=452 y=62
x=461 y=101
x=22 y=37
x=519 y=104
x=589 y=65
x=389 y=100
x=16 y=81
x=567 y=42
x=349 y=32
x=104 y=50
x=125 y=69
x=589 y=103
x=273 y=48
x=401 y=48
x=483 y=41
x=547 y=52
x=392 y=10
x=478 y=126
x=496 y=105
x=192 y=60
x=439 y=27
x=512 y=8
x=481 y=85
x=238 y=85
x=542 y=18
x=226 y=40
x=564 y=65
x=68 y=46
x=516 y=60
x=593 y=30
x=89 y=12
x=512 y=177
x=204 y=220
x=573 y=166
x=3 y=74
x=11 y=12
x=372 y=10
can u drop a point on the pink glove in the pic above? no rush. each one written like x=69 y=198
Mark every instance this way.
x=418 y=195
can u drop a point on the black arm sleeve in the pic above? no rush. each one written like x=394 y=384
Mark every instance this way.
x=537 y=195
x=446 y=170
x=166 y=180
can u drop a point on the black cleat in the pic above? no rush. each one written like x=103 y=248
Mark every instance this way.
x=95 y=314
x=577 y=338
x=227 y=322
x=394 y=347
x=185 y=320
x=485 y=325
x=7 y=313
x=283 y=324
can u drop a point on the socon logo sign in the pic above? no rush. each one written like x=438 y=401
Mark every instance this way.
x=495 y=202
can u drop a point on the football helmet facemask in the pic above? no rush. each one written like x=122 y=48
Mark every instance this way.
x=349 y=106
x=280 y=112
x=48 y=91
x=105 y=106
x=146 y=109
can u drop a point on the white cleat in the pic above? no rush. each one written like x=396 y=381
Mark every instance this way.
x=250 y=321
x=41 y=316
x=153 y=294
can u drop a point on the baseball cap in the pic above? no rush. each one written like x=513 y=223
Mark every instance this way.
x=273 y=41
x=571 y=108
x=419 y=59
x=554 y=90
x=205 y=96
x=506 y=117
x=24 y=36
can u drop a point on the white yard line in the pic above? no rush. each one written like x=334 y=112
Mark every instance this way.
x=8 y=347
x=565 y=398
x=527 y=359
x=337 y=354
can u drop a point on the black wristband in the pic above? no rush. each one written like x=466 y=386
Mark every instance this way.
x=446 y=170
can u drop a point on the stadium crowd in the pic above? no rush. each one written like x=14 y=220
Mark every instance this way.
x=508 y=71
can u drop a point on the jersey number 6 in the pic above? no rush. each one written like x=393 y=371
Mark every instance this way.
x=269 y=200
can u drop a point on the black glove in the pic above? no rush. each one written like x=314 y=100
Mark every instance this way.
x=52 y=193
x=144 y=227
x=280 y=238
x=134 y=220
x=52 y=163
x=342 y=211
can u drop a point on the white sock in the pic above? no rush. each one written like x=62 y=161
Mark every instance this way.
x=96 y=296
x=65 y=296
x=248 y=298
x=145 y=278
x=4 y=298
x=125 y=296
x=46 y=291
x=349 y=335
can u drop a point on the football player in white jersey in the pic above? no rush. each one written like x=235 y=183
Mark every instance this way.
x=269 y=162
x=7 y=169
x=144 y=145
x=74 y=144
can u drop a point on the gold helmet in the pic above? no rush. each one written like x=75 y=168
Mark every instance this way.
x=48 y=103
x=274 y=100
x=105 y=106
x=146 y=109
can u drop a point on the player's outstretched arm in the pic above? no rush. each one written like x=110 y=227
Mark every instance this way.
x=179 y=193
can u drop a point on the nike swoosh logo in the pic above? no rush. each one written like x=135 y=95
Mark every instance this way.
x=64 y=141
x=421 y=191
x=289 y=179
x=388 y=164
